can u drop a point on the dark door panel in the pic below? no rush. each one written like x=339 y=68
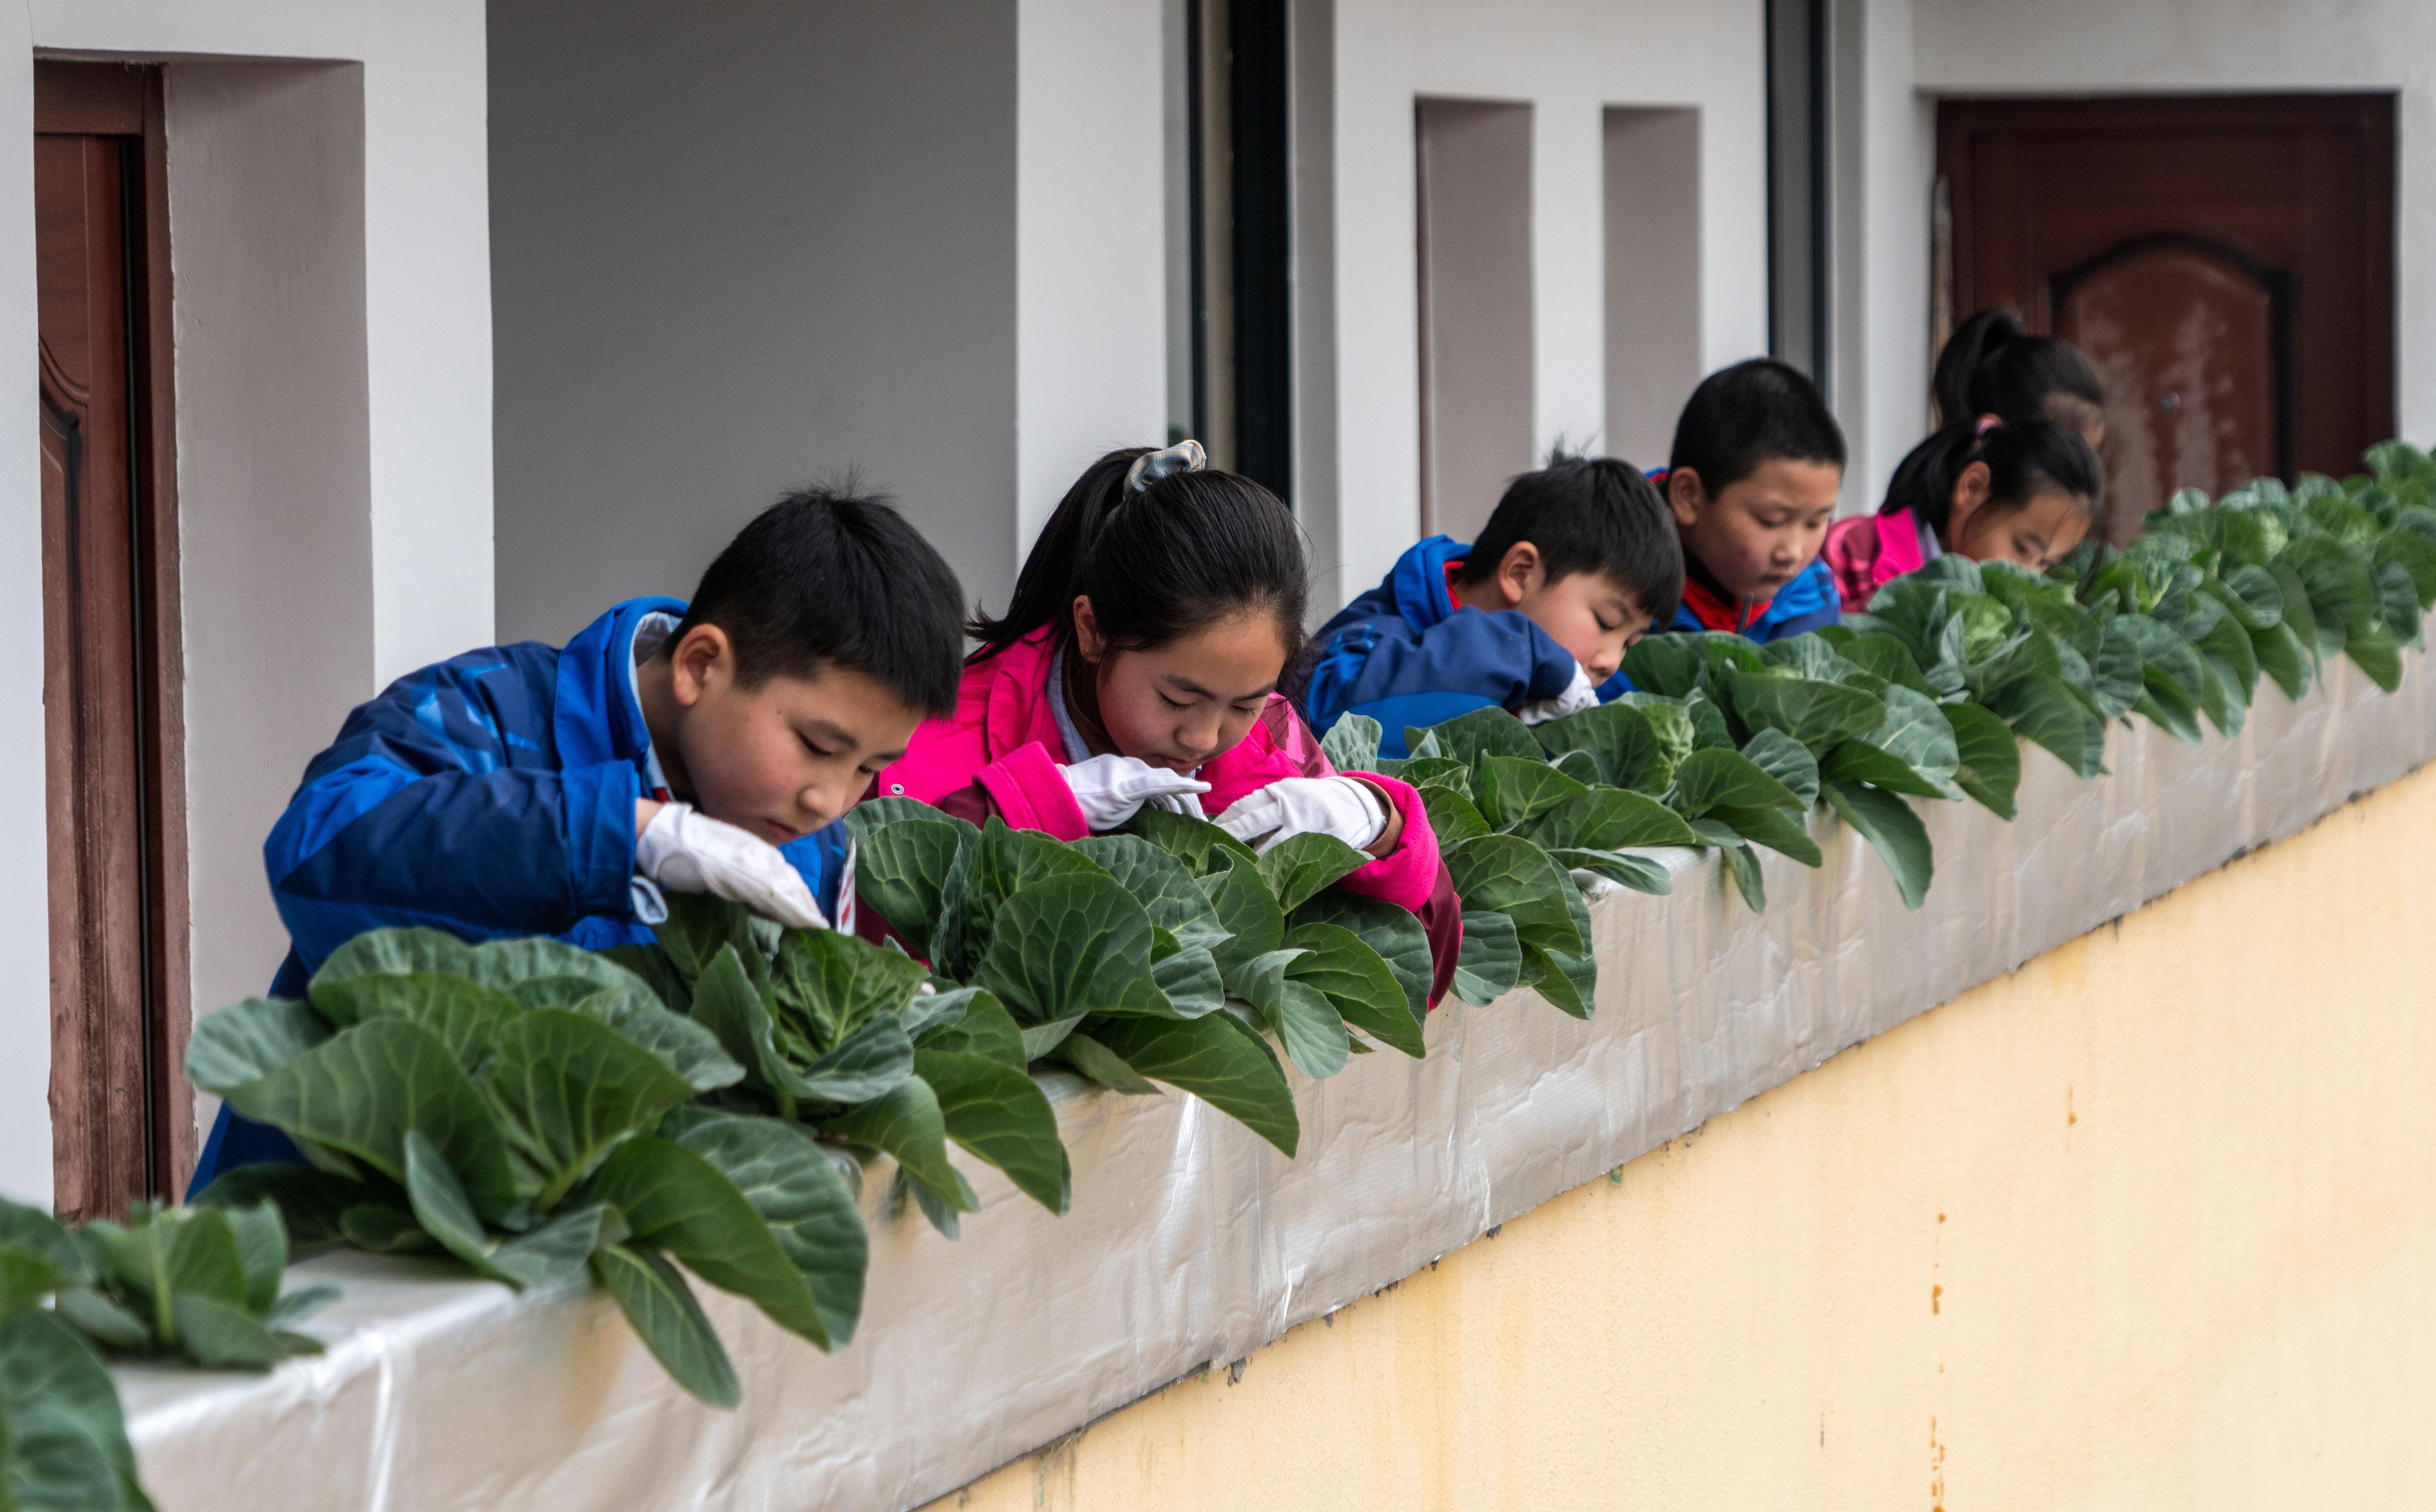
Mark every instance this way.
x=121 y=1123
x=2226 y=262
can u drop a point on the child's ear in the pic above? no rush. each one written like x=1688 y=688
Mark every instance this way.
x=1684 y=495
x=1517 y=572
x=1970 y=492
x=1088 y=638
x=705 y=655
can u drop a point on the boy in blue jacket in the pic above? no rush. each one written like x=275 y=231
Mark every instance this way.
x=1578 y=559
x=711 y=747
x=1752 y=482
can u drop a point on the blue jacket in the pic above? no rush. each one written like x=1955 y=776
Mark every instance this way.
x=489 y=795
x=1404 y=655
x=1808 y=602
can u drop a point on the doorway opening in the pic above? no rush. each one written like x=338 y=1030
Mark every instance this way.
x=121 y=1117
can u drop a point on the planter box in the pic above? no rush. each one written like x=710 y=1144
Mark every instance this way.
x=1191 y=1242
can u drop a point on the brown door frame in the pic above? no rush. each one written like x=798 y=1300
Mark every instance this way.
x=1958 y=120
x=125 y=102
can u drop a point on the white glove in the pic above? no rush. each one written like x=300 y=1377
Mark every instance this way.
x=1350 y=809
x=1111 y=788
x=1579 y=694
x=684 y=850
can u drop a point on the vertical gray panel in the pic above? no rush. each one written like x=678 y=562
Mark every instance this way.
x=274 y=470
x=1314 y=124
x=739 y=245
x=1474 y=162
x=1653 y=277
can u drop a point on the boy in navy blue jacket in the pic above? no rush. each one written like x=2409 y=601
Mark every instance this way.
x=705 y=748
x=1578 y=559
x=1752 y=482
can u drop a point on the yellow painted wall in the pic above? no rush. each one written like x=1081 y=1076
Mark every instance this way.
x=2150 y=1224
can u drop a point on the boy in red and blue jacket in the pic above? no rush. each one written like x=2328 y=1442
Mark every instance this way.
x=1752 y=482
x=1580 y=559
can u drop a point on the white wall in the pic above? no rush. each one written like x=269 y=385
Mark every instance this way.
x=426 y=281
x=24 y=887
x=415 y=498
x=2163 y=47
x=1571 y=60
x=1090 y=257
x=741 y=246
x=1884 y=164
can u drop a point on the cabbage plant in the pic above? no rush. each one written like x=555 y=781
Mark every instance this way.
x=203 y=1283
x=527 y=1108
x=62 y=1440
x=840 y=1037
x=1167 y=954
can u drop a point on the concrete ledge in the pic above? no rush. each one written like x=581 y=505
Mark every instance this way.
x=1191 y=1242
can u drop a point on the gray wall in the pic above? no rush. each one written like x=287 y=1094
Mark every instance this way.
x=274 y=490
x=1653 y=277
x=1475 y=288
x=738 y=245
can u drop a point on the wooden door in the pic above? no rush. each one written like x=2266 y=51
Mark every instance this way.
x=121 y=1124
x=2226 y=262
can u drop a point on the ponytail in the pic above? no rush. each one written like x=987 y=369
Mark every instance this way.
x=2024 y=460
x=1992 y=366
x=1159 y=558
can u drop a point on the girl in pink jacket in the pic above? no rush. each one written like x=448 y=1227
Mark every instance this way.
x=1139 y=662
x=1993 y=491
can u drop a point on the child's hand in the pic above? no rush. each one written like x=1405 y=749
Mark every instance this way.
x=687 y=851
x=1346 y=808
x=1112 y=788
x=1579 y=694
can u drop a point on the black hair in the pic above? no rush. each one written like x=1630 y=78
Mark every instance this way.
x=1755 y=412
x=1588 y=514
x=832 y=576
x=2024 y=459
x=1992 y=366
x=1187 y=550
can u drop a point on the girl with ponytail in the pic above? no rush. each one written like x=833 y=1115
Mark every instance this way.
x=1990 y=490
x=1139 y=662
x=1991 y=366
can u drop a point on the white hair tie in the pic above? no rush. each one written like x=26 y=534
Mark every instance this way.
x=1148 y=468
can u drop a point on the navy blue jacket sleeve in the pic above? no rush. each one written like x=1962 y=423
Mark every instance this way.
x=442 y=805
x=1400 y=676
x=1804 y=624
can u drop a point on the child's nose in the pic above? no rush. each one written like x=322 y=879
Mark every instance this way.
x=1198 y=736
x=825 y=799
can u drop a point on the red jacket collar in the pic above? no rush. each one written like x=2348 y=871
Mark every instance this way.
x=1714 y=608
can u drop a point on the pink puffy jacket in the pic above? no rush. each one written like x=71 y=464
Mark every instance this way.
x=1867 y=551
x=1004 y=738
